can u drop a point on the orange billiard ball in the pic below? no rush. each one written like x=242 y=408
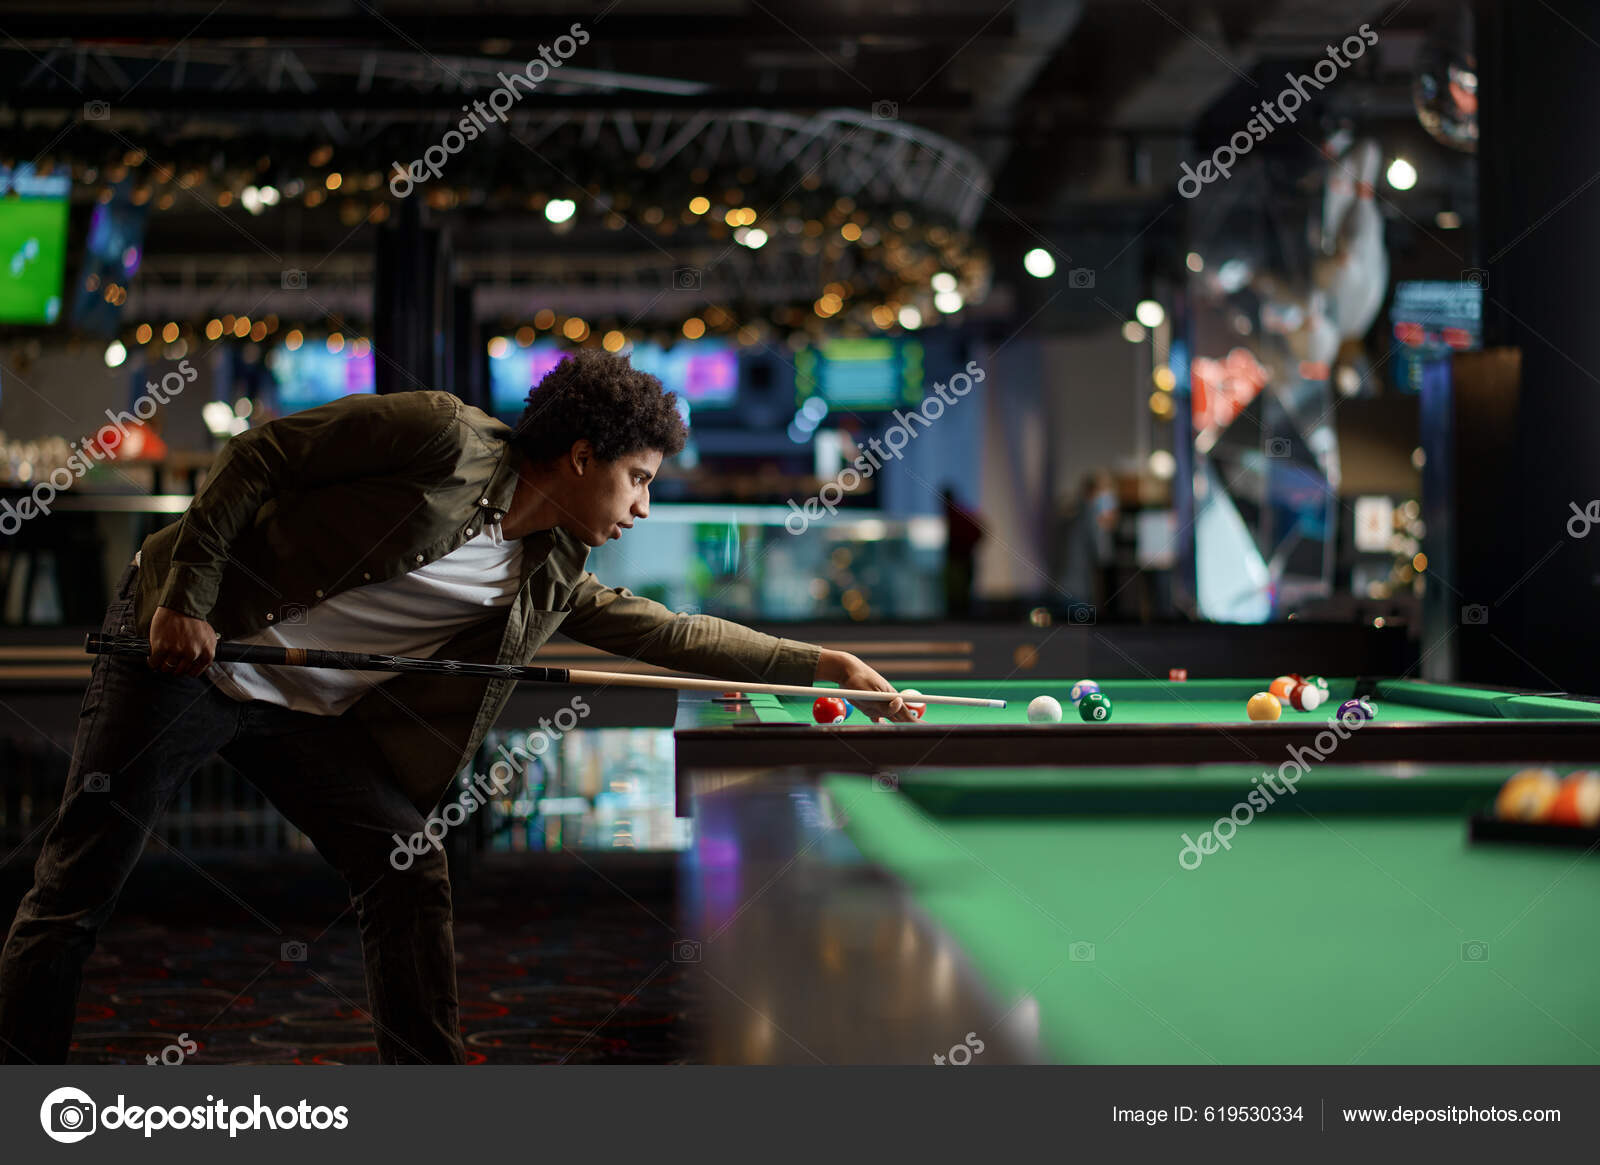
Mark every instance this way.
x=1264 y=706
x=1282 y=686
x=1577 y=801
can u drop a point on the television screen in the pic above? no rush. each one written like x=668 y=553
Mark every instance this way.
x=1432 y=319
x=860 y=375
x=33 y=244
x=311 y=375
x=704 y=373
x=111 y=257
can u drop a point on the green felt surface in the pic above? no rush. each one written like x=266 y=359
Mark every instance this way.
x=1316 y=938
x=1211 y=702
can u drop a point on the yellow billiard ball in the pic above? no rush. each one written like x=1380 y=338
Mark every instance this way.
x=1527 y=796
x=1264 y=706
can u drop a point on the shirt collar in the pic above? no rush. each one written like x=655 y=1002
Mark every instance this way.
x=496 y=496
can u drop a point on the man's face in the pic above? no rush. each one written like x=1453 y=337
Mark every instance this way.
x=609 y=496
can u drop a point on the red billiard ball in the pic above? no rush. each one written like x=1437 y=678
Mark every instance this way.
x=829 y=710
x=1304 y=697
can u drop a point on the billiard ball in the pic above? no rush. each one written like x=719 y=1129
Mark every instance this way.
x=1081 y=689
x=1282 y=686
x=1319 y=683
x=1264 y=706
x=1044 y=710
x=848 y=708
x=1527 y=795
x=1577 y=801
x=1094 y=707
x=917 y=709
x=1358 y=709
x=828 y=710
x=1304 y=698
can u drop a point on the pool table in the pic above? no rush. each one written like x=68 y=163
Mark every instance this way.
x=1154 y=722
x=1352 y=921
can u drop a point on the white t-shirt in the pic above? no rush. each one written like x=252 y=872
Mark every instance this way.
x=414 y=614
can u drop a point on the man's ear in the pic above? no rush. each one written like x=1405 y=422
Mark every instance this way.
x=581 y=456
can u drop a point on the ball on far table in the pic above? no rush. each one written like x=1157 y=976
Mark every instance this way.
x=1282 y=686
x=1264 y=706
x=1081 y=689
x=1527 y=795
x=1358 y=709
x=1577 y=801
x=1094 y=707
x=1044 y=710
x=828 y=710
x=1319 y=683
x=917 y=709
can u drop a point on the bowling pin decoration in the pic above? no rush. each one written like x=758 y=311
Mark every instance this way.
x=1353 y=271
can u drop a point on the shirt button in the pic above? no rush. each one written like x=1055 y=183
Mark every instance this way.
x=319 y=594
x=365 y=575
x=419 y=558
x=483 y=501
x=269 y=616
x=497 y=515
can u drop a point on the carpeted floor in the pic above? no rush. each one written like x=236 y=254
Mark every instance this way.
x=560 y=959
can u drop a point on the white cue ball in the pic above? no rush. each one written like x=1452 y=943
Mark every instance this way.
x=1044 y=710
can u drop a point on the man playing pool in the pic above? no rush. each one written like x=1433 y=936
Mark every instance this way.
x=405 y=524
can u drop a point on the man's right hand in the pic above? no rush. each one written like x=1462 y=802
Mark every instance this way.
x=180 y=645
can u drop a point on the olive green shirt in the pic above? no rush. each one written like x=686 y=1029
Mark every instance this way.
x=370 y=487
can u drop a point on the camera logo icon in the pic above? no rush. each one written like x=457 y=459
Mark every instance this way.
x=1475 y=614
x=1475 y=277
x=686 y=279
x=96 y=110
x=1080 y=277
x=1279 y=447
x=293 y=951
x=294 y=613
x=294 y=279
x=686 y=950
x=886 y=782
x=1081 y=613
x=68 y=1115
x=1081 y=952
x=885 y=110
x=97 y=783
x=1475 y=951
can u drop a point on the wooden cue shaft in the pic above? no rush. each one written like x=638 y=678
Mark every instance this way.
x=634 y=680
x=97 y=644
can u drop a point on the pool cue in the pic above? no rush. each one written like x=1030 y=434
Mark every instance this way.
x=97 y=644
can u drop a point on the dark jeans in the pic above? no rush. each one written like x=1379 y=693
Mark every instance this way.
x=140 y=736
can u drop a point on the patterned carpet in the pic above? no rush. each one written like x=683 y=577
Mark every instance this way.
x=560 y=959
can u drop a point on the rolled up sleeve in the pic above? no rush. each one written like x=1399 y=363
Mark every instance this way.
x=616 y=620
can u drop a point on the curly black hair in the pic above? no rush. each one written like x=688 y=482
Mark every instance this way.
x=596 y=395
